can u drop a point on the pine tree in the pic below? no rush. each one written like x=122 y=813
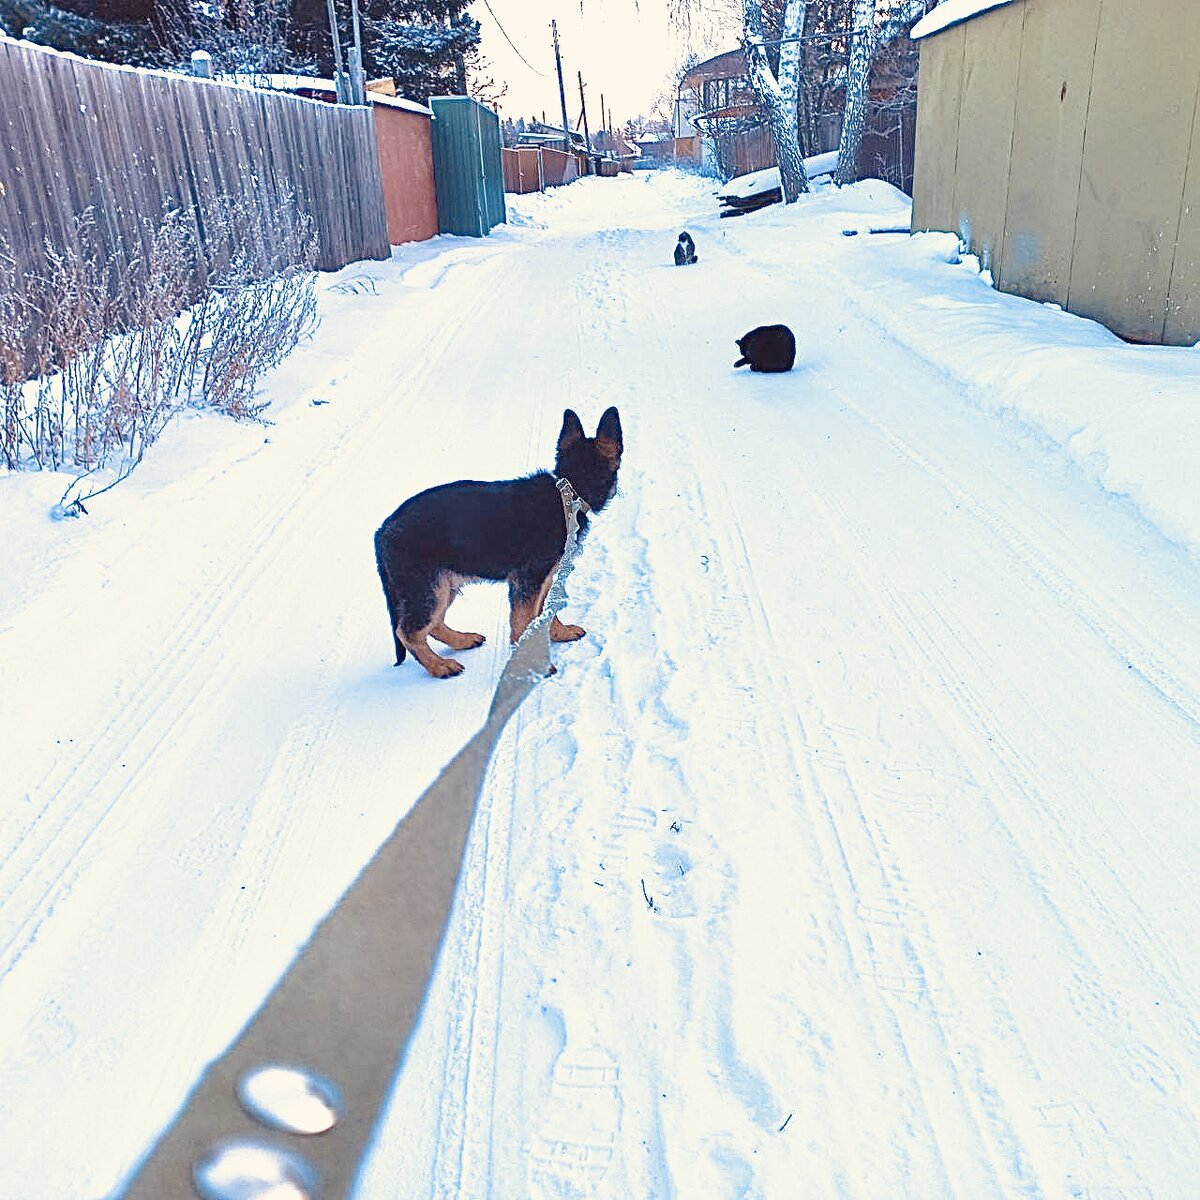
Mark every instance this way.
x=119 y=35
x=423 y=44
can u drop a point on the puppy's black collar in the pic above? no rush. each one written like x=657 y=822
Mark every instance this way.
x=573 y=502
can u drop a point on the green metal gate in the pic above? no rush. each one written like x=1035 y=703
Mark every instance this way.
x=466 y=166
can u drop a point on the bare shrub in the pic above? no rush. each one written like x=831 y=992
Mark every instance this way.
x=98 y=353
x=259 y=308
x=12 y=359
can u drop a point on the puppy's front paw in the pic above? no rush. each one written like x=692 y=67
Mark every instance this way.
x=444 y=668
x=565 y=633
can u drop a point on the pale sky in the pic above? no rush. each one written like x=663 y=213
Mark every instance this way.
x=627 y=50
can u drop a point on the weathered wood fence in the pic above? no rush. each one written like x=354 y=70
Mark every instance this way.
x=559 y=166
x=127 y=145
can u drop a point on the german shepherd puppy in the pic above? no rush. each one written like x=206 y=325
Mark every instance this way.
x=513 y=530
x=685 y=250
x=767 y=348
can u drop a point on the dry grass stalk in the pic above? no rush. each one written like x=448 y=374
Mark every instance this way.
x=98 y=354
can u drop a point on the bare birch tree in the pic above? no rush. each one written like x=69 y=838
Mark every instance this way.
x=777 y=93
x=873 y=23
x=858 y=79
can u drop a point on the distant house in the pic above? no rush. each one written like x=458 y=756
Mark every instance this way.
x=656 y=149
x=1061 y=140
x=718 y=118
x=615 y=147
x=538 y=134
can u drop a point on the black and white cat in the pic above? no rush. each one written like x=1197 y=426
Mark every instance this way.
x=685 y=250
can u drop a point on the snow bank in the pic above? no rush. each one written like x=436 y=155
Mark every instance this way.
x=757 y=182
x=1125 y=415
x=753 y=184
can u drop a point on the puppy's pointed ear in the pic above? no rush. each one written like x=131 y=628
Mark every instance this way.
x=571 y=432
x=609 y=442
x=610 y=427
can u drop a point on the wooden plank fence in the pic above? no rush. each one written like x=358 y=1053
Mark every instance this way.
x=536 y=168
x=128 y=145
x=559 y=166
x=522 y=169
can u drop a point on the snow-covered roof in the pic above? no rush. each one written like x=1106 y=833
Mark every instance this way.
x=951 y=12
x=295 y=83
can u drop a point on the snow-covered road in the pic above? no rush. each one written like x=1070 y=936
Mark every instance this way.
x=851 y=854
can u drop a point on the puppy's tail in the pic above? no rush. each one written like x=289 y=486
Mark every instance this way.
x=389 y=595
x=741 y=362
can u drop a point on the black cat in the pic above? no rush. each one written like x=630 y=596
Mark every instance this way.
x=685 y=250
x=767 y=348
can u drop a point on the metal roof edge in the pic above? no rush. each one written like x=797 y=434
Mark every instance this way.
x=951 y=13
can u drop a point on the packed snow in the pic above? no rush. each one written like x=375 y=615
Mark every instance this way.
x=850 y=854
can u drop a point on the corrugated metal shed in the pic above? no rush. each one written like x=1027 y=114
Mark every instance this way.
x=1061 y=140
x=466 y=166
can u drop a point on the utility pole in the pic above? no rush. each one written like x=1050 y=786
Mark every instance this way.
x=608 y=147
x=358 y=80
x=587 y=137
x=340 y=80
x=562 y=93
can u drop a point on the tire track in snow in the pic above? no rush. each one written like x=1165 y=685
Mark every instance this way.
x=52 y=849
x=1115 y=627
x=973 y=1147
x=873 y=916
x=478 y=933
x=995 y=754
x=929 y=650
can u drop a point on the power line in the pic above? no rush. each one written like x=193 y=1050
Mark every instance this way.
x=509 y=40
